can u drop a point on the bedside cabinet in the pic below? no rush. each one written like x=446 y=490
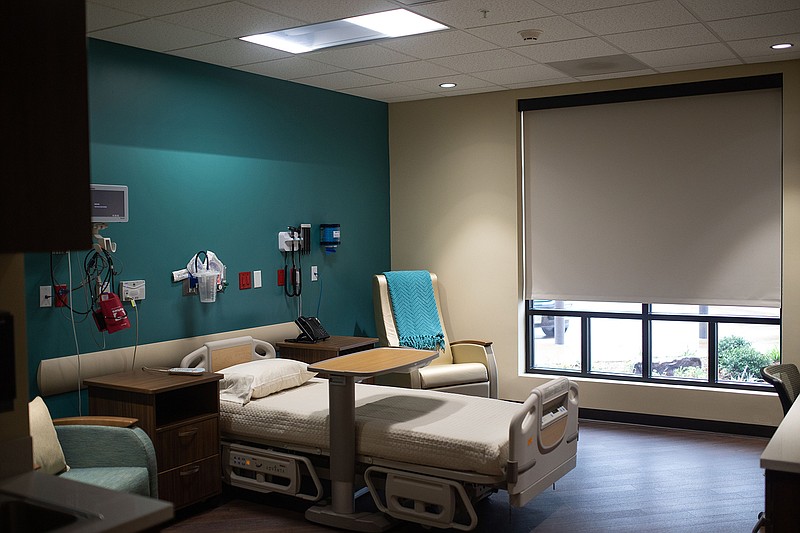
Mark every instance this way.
x=181 y=416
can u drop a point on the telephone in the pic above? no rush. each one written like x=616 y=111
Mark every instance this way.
x=310 y=329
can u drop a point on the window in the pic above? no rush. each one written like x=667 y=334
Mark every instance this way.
x=687 y=344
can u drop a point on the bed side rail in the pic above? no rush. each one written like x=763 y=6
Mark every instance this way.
x=543 y=440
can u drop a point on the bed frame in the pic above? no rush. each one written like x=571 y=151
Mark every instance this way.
x=542 y=441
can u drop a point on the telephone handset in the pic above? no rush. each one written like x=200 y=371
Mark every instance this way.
x=310 y=329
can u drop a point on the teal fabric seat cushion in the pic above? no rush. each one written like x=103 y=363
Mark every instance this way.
x=133 y=479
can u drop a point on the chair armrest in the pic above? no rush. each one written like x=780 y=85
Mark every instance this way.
x=113 y=421
x=477 y=352
x=481 y=343
x=87 y=446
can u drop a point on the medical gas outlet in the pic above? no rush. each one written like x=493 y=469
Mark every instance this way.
x=131 y=290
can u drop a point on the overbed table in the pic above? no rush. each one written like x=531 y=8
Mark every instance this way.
x=344 y=371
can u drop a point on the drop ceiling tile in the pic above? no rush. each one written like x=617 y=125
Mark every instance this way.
x=360 y=56
x=635 y=17
x=661 y=38
x=464 y=14
x=476 y=90
x=154 y=8
x=478 y=61
x=313 y=11
x=686 y=56
x=760 y=47
x=567 y=50
x=416 y=70
x=573 y=6
x=510 y=76
x=152 y=34
x=462 y=81
x=99 y=17
x=289 y=68
x=540 y=83
x=702 y=65
x=230 y=53
x=553 y=29
x=231 y=19
x=387 y=91
x=726 y=9
x=629 y=74
x=437 y=44
x=758 y=26
x=340 y=80
x=769 y=58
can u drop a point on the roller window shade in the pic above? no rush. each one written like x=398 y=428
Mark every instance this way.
x=672 y=200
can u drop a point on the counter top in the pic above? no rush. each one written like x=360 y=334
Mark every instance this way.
x=98 y=509
x=783 y=450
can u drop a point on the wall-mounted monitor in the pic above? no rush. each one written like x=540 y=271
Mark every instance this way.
x=109 y=203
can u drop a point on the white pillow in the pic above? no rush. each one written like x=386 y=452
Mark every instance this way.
x=236 y=388
x=271 y=375
x=47 y=452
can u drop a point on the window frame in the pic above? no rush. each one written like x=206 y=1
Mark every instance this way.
x=647 y=317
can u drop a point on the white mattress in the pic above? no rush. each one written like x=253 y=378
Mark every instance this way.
x=451 y=431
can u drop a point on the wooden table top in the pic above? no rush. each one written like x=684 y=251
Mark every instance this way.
x=151 y=382
x=334 y=343
x=374 y=362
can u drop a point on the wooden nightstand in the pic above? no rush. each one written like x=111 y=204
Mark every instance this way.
x=181 y=416
x=331 y=347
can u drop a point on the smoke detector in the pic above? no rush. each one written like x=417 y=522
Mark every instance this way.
x=530 y=35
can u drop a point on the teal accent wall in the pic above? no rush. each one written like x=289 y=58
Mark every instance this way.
x=219 y=159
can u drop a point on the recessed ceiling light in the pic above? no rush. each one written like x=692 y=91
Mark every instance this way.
x=781 y=46
x=448 y=85
x=394 y=23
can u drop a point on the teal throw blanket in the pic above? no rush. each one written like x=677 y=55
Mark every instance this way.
x=415 y=311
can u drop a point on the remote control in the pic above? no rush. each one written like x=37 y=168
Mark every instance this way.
x=187 y=371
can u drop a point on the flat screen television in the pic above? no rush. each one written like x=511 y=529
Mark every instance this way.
x=109 y=203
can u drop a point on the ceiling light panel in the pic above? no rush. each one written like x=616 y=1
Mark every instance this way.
x=386 y=24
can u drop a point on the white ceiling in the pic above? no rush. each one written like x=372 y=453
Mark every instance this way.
x=590 y=39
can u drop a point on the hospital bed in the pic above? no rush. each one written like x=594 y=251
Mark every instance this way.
x=423 y=456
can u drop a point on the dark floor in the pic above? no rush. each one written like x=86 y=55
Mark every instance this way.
x=628 y=478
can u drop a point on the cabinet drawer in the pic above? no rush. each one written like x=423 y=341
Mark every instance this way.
x=192 y=482
x=186 y=443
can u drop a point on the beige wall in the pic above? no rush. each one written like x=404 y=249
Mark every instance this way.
x=455 y=210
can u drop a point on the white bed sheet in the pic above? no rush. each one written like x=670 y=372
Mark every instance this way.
x=451 y=431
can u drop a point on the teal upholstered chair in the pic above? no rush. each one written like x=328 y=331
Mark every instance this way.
x=108 y=452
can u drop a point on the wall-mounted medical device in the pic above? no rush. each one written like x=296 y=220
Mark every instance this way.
x=109 y=203
x=330 y=236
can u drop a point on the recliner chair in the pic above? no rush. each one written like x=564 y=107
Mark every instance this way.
x=464 y=367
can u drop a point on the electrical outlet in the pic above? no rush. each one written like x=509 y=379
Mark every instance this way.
x=45 y=296
x=256 y=279
x=131 y=290
x=244 y=280
x=281 y=278
x=61 y=296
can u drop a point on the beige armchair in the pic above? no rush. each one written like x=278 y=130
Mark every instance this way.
x=464 y=367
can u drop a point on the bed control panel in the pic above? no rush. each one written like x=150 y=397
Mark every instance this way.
x=268 y=470
x=554 y=415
